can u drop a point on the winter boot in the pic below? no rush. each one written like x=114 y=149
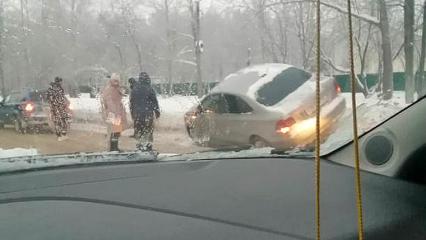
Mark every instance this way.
x=145 y=147
x=113 y=145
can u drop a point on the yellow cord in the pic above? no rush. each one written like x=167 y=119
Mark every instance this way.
x=318 y=124
x=355 y=129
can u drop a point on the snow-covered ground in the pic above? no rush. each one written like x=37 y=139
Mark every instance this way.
x=17 y=152
x=88 y=109
x=370 y=112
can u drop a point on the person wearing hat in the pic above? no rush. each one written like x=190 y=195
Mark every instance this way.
x=113 y=111
x=58 y=104
x=144 y=109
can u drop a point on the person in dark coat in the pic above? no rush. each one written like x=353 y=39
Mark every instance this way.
x=144 y=109
x=132 y=83
x=58 y=108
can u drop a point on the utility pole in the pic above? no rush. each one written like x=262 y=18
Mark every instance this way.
x=169 y=49
x=198 y=49
x=248 y=56
x=3 y=84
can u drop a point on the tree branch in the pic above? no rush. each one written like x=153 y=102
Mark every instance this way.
x=366 y=18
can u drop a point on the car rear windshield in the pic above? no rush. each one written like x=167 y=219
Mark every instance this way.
x=281 y=86
x=37 y=96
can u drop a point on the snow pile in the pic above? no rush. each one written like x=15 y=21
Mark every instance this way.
x=88 y=110
x=371 y=112
x=173 y=110
x=17 y=152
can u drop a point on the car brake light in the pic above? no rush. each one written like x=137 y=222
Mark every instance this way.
x=29 y=107
x=337 y=87
x=283 y=125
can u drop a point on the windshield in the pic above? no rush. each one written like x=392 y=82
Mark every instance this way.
x=187 y=77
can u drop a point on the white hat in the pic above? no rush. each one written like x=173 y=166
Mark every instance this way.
x=115 y=76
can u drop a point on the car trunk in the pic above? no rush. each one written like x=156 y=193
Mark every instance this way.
x=329 y=91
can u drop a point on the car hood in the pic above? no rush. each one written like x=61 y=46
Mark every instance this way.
x=269 y=196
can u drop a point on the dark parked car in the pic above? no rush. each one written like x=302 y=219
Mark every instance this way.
x=29 y=111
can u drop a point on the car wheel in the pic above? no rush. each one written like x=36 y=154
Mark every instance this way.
x=19 y=126
x=258 y=142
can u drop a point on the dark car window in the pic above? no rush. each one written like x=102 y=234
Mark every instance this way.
x=237 y=105
x=13 y=98
x=37 y=96
x=281 y=86
x=215 y=103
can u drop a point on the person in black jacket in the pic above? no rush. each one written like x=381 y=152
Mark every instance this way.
x=144 y=109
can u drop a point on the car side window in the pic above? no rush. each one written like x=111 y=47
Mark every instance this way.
x=215 y=103
x=237 y=104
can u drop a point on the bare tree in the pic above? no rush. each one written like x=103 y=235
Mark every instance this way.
x=24 y=38
x=409 y=50
x=420 y=76
x=170 y=47
x=304 y=26
x=387 y=80
x=116 y=45
x=129 y=17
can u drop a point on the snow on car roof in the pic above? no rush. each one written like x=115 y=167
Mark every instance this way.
x=247 y=81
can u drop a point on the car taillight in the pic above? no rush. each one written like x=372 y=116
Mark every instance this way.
x=283 y=125
x=28 y=107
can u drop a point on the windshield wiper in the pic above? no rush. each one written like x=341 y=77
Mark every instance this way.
x=28 y=163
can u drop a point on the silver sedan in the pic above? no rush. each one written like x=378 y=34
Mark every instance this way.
x=265 y=105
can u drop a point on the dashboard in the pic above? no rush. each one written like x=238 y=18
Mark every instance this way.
x=265 y=198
